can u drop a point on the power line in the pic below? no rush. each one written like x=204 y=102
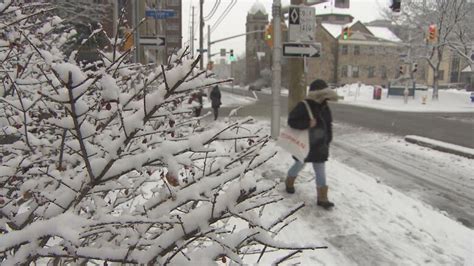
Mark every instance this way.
x=224 y=14
x=213 y=10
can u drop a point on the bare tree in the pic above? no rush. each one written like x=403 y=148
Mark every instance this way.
x=451 y=19
x=112 y=166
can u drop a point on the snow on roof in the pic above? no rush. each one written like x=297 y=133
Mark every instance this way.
x=467 y=69
x=379 y=32
x=334 y=29
x=257 y=6
x=384 y=33
x=323 y=9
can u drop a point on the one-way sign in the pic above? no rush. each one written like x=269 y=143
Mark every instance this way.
x=293 y=49
x=156 y=41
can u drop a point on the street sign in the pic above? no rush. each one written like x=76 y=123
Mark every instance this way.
x=223 y=52
x=302 y=23
x=160 y=13
x=301 y=49
x=157 y=41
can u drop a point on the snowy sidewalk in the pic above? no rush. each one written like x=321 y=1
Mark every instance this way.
x=441 y=146
x=371 y=224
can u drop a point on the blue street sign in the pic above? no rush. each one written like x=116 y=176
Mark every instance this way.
x=160 y=13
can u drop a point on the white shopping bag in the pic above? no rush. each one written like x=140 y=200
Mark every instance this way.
x=295 y=142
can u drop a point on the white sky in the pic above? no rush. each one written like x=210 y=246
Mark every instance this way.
x=234 y=23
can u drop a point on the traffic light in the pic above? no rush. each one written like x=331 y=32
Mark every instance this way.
x=396 y=5
x=231 y=56
x=401 y=70
x=269 y=35
x=346 y=32
x=414 y=67
x=432 y=33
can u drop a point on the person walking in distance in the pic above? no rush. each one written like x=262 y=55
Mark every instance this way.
x=320 y=137
x=197 y=96
x=215 y=96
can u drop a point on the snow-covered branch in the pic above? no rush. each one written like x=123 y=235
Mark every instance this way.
x=110 y=163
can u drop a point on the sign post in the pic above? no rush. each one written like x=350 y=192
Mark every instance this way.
x=301 y=31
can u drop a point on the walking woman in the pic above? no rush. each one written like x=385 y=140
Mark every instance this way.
x=320 y=137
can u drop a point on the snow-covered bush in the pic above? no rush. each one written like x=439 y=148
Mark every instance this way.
x=111 y=165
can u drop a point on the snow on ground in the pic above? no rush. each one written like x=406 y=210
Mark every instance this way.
x=372 y=223
x=230 y=100
x=449 y=100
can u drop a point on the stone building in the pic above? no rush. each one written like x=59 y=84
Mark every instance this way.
x=257 y=52
x=370 y=55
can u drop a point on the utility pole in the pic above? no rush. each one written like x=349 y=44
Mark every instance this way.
x=136 y=34
x=276 y=77
x=201 y=33
x=208 y=44
x=191 y=44
x=115 y=5
x=297 y=87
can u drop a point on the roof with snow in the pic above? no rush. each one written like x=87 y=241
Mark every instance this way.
x=257 y=6
x=378 y=32
x=384 y=33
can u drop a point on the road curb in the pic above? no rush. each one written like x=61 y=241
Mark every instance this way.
x=441 y=146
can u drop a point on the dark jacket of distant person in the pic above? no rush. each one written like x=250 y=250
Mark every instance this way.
x=215 y=97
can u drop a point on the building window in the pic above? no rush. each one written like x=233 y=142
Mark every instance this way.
x=356 y=50
x=440 y=74
x=355 y=71
x=344 y=72
x=344 y=49
x=371 y=72
x=383 y=72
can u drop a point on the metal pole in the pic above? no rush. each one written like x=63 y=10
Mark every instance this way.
x=208 y=44
x=115 y=6
x=191 y=44
x=408 y=74
x=201 y=31
x=134 y=24
x=276 y=84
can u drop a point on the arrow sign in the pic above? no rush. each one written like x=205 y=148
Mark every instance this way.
x=153 y=41
x=160 y=13
x=302 y=49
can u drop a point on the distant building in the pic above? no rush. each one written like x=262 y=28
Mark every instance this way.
x=257 y=52
x=370 y=55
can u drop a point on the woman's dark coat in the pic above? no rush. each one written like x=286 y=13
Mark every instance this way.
x=299 y=119
x=215 y=97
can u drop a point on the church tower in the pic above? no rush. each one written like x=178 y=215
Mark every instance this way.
x=257 y=53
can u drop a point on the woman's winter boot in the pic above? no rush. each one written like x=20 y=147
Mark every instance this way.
x=290 y=184
x=323 y=198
